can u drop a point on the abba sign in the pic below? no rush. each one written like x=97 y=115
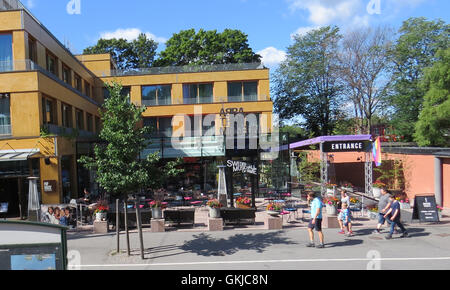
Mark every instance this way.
x=231 y=111
x=239 y=166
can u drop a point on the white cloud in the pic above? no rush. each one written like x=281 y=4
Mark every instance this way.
x=326 y=12
x=271 y=56
x=303 y=31
x=130 y=34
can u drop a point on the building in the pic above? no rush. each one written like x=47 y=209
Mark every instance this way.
x=50 y=101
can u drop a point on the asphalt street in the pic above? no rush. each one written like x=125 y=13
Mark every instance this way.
x=427 y=248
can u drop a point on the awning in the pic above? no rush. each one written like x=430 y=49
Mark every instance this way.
x=17 y=155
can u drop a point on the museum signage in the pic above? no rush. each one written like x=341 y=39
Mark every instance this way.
x=231 y=111
x=240 y=166
x=347 y=146
x=50 y=186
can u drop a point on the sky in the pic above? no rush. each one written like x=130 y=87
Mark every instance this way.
x=269 y=24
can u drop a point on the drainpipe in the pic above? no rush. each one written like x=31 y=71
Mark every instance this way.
x=438 y=180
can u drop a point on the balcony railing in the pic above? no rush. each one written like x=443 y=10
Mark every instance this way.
x=213 y=100
x=67 y=132
x=5 y=130
x=181 y=69
x=29 y=65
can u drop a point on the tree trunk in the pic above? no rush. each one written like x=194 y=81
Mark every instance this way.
x=118 y=225
x=139 y=226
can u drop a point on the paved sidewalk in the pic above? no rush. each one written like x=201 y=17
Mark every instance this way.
x=295 y=221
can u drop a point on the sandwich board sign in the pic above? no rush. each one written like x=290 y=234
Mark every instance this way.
x=425 y=209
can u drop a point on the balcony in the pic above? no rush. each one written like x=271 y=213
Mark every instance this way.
x=29 y=65
x=181 y=69
x=52 y=129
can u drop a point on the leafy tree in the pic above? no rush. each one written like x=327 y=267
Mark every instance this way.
x=365 y=72
x=306 y=83
x=139 y=53
x=414 y=51
x=433 y=126
x=189 y=47
x=120 y=170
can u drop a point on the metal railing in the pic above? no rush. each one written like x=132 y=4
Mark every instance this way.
x=212 y=100
x=5 y=130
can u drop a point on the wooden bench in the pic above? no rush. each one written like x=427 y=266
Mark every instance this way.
x=238 y=215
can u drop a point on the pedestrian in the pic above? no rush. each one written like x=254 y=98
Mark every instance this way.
x=345 y=220
x=393 y=218
x=383 y=206
x=316 y=220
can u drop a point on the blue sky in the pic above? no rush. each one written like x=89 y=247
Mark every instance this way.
x=269 y=24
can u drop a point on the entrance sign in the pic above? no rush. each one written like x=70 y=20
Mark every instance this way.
x=425 y=209
x=239 y=166
x=347 y=146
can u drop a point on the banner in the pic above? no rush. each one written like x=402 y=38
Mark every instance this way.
x=376 y=152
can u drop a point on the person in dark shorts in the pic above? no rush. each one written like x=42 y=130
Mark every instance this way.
x=383 y=206
x=393 y=218
x=316 y=220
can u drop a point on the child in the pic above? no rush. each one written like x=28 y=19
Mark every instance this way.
x=345 y=220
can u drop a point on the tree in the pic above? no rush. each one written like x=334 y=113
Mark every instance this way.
x=433 y=126
x=139 y=53
x=415 y=50
x=365 y=71
x=120 y=170
x=306 y=83
x=207 y=47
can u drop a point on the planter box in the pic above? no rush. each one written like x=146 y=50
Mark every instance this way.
x=273 y=223
x=181 y=216
x=330 y=222
x=100 y=227
x=158 y=226
x=405 y=205
x=372 y=215
x=238 y=215
x=215 y=224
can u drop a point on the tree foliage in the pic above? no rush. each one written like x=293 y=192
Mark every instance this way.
x=138 y=53
x=414 y=51
x=189 y=47
x=306 y=82
x=433 y=126
x=117 y=162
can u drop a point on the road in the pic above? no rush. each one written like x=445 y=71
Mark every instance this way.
x=428 y=247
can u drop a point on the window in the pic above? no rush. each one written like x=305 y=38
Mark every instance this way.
x=48 y=111
x=242 y=91
x=32 y=49
x=157 y=95
x=89 y=122
x=126 y=91
x=5 y=52
x=97 y=124
x=5 y=115
x=52 y=63
x=87 y=89
x=197 y=93
x=78 y=84
x=161 y=126
x=79 y=119
x=67 y=78
x=66 y=111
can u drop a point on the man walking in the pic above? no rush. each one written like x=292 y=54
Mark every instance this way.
x=383 y=206
x=316 y=220
x=393 y=216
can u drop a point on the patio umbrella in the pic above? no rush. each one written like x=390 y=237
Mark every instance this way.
x=222 y=190
x=33 y=200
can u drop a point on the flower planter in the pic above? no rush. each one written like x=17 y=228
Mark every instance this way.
x=101 y=216
x=157 y=213
x=273 y=213
x=331 y=210
x=376 y=192
x=330 y=191
x=244 y=206
x=372 y=215
x=214 y=213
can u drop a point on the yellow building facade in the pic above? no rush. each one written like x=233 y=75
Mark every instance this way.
x=50 y=101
